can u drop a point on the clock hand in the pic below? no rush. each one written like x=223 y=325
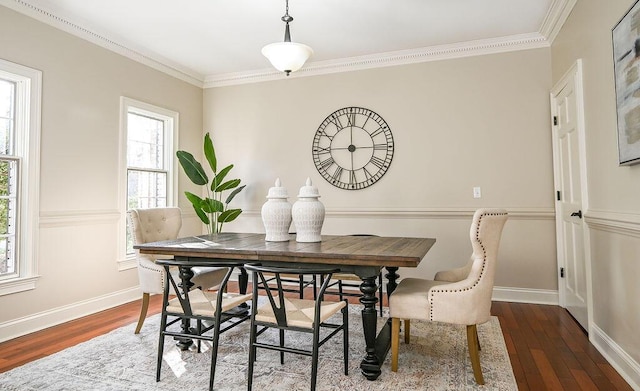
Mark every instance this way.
x=351 y=160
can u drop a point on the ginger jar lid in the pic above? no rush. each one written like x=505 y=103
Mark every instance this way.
x=277 y=191
x=308 y=190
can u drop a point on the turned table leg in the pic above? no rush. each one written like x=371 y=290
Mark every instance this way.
x=370 y=365
x=377 y=346
x=392 y=277
x=185 y=276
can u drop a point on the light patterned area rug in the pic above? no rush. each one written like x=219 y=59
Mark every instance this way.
x=436 y=359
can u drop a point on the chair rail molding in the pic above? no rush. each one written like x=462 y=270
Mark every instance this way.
x=623 y=223
x=51 y=219
x=518 y=213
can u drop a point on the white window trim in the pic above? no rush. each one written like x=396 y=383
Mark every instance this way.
x=28 y=111
x=171 y=141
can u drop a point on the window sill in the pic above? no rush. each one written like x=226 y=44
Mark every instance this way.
x=128 y=263
x=18 y=285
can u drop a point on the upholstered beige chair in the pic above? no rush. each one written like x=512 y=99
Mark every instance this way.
x=459 y=296
x=152 y=225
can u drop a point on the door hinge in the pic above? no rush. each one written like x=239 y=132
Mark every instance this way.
x=561 y=272
x=555 y=120
x=558 y=195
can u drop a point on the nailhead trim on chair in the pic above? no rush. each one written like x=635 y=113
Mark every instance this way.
x=484 y=252
x=140 y=265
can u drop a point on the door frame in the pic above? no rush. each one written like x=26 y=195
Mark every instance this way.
x=575 y=71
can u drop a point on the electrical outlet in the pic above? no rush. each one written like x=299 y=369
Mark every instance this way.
x=477 y=193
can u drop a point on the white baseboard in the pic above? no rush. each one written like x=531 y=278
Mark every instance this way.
x=626 y=366
x=524 y=295
x=39 y=321
x=516 y=295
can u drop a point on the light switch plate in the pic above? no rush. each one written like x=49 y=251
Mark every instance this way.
x=477 y=193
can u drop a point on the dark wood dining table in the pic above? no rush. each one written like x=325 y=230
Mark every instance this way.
x=364 y=256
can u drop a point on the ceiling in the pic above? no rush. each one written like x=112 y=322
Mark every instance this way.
x=219 y=41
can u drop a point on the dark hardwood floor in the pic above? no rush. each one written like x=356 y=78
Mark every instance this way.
x=548 y=349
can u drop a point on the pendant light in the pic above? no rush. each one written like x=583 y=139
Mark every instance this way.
x=287 y=56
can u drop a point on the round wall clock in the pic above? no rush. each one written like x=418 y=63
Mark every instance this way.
x=353 y=148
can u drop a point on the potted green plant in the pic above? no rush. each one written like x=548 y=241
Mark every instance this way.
x=211 y=210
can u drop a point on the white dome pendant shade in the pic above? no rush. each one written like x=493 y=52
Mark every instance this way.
x=287 y=56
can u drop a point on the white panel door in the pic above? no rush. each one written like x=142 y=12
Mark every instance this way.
x=566 y=106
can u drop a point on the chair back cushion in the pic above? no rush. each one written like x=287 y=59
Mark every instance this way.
x=155 y=224
x=151 y=225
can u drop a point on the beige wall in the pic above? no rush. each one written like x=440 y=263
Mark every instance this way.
x=613 y=214
x=478 y=121
x=79 y=217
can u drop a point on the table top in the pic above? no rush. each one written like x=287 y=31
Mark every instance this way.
x=333 y=249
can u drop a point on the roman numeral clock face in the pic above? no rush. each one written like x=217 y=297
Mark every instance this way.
x=353 y=148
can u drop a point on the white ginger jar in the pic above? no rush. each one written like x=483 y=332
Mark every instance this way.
x=276 y=214
x=308 y=214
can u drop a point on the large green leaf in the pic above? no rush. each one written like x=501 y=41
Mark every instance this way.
x=194 y=199
x=229 y=215
x=197 y=203
x=212 y=206
x=233 y=194
x=210 y=153
x=192 y=168
x=228 y=185
x=203 y=216
x=220 y=176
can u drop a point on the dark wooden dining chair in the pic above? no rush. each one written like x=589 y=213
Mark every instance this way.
x=294 y=283
x=294 y=315
x=210 y=311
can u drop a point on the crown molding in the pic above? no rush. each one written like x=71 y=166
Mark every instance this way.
x=379 y=60
x=48 y=17
x=556 y=16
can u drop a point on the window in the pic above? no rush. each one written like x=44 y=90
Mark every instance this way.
x=146 y=164
x=9 y=164
x=20 y=96
x=149 y=134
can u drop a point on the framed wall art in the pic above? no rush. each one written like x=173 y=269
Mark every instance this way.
x=626 y=56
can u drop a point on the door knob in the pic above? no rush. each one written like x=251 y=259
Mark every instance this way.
x=578 y=214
